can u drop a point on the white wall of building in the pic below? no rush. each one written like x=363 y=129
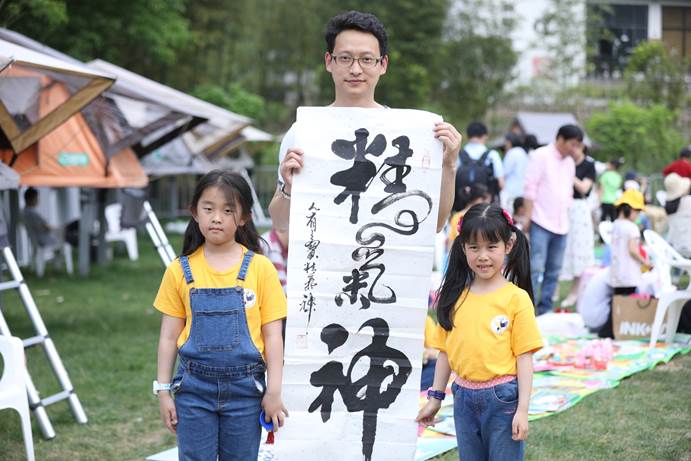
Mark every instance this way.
x=533 y=55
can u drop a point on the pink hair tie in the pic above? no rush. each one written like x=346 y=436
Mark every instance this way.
x=458 y=226
x=508 y=217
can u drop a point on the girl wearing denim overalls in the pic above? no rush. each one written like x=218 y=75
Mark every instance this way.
x=487 y=334
x=222 y=306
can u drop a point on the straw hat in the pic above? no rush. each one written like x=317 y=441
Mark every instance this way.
x=676 y=186
x=632 y=198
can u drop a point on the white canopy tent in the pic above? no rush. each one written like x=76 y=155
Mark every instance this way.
x=221 y=125
x=545 y=125
x=127 y=113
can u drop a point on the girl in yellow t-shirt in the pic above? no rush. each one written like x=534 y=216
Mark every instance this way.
x=222 y=306
x=486 y=335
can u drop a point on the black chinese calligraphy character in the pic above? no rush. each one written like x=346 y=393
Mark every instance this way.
x=311 y=246
x=357 y=178
x=312 y=218
x=397 y=163
x=307 y=305
x=354 y=283
x=380 y=386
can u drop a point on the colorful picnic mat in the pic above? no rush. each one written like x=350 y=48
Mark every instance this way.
x=559 y=384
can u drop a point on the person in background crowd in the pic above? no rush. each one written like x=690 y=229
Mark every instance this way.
x=627 y=260
x=548 y=194
x=477 y=193
x=478 y=164
x=681 y=166
x=634 y=183
x=519 y=215
x=515 y=160
x=531 y=143
x=580 y=242
x=275 y=246
x=40 y=232
x=678 y=208
x=610 y=184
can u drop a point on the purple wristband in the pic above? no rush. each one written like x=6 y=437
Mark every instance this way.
x=439 y=395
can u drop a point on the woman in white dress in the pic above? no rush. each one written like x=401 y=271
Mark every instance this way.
x=579 y=254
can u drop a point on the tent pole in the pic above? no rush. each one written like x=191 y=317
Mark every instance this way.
x=85 y=224
x=100 y=209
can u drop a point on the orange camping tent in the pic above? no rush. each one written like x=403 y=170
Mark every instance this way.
x=71 y=155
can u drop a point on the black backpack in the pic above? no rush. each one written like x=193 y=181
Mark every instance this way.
x=472 y=172
x=475 y=171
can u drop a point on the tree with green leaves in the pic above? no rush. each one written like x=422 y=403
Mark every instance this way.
x=476 y=59
x=139 y=35
x=645 y=136
x=654 y=77
x=50 y=13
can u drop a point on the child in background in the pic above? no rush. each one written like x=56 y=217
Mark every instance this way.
x=472 y=195
x=519 y=215
x=487 y=334
x=610 y=183
x=627 y=260
x=222 y=306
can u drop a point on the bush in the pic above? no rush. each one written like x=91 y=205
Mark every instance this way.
x=646 y=137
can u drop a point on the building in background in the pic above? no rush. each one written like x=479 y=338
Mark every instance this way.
x=610 y=30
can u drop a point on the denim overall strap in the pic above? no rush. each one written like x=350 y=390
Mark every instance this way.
x=220 y=342
x=245 y=265
x=184 y=262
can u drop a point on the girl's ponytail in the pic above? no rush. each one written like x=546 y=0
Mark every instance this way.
x=193 y=238
x=248 y=236
x=457 y=278
x=517 y=268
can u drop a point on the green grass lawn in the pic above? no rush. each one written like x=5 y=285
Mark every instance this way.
x=106 y=332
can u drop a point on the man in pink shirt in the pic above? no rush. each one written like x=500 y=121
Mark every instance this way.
x=548 y=192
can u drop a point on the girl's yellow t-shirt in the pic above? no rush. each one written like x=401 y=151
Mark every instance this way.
x=269 y=304
x=489 y=332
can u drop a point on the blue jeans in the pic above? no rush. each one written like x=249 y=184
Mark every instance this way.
x=483 y=419
x=218 y=416
x=546 y=259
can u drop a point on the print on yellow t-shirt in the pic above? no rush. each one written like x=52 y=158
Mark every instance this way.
x=490 y=331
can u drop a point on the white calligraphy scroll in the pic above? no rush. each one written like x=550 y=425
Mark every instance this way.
x=363 y=216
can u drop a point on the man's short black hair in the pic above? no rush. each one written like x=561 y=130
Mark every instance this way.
x=568 y=132
x=515 y=139
x=531 y=142
x=356 y=20
x=685 y=152
x=476 y=129
x=30 y=195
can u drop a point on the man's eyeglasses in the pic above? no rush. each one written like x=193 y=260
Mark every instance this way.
x=346 y=60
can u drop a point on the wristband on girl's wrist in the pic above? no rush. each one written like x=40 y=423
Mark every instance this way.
x=432 y=394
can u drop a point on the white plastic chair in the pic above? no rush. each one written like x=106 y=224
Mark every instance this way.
x=13 y=387
x=605 y=231
x=42 y=254
x=115 y=233
x=671 y=299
